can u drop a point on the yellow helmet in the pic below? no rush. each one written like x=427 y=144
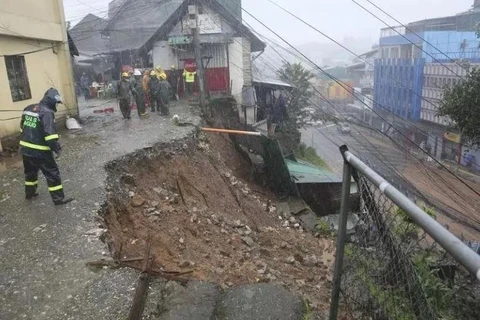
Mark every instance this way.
x=152 y=73
x=125 y=75
x=173 y=67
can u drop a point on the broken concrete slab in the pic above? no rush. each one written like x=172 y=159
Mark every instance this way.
x=333 y=221
x=195 y=301
x=259 y=301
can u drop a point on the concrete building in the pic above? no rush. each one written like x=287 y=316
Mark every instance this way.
x=94 y=58
x=332 y=90
x=163 y=37
x=417 y=62
x=362 y=76
x=34 y=56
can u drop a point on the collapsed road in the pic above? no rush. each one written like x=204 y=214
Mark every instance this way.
x=215 y=236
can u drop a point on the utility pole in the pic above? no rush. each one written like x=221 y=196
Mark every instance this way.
x=193 y=12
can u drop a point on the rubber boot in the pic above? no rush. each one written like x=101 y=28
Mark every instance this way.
x=63 y=201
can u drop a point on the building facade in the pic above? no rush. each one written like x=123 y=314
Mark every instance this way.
x=417 y=63
x=34 y=56
x=363 y=76
x=164 y=38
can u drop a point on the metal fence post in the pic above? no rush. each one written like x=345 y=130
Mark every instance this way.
x=342 y=234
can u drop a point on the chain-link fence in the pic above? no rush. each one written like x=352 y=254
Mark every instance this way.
x=391 y=267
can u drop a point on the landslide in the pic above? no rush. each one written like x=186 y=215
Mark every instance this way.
x=196 y=201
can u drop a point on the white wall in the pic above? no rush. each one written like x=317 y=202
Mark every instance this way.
x=247 y=63
x=163 y=55
x=235 y=51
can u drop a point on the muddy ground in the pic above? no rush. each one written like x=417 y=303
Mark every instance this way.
x=198 y=205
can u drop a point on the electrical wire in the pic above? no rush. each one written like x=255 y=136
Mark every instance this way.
x=359 y=57
x=344 y=87
x=334 y=107
x=248 y=13
x=403 y=36
x=416 y=34
x=277 y=52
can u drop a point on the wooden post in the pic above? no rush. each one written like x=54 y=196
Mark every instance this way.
x=193 y=12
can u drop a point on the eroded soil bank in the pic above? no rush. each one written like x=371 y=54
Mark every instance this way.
x=196 y=201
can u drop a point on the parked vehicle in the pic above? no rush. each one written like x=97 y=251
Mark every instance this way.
x=343 y=128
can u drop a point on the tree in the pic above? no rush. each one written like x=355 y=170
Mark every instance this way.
x=296 y=75
x=462 y=104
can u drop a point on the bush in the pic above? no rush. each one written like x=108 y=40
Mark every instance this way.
x=309 y=154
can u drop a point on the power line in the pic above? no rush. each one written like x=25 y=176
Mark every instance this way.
x=237 y=66
x=403 y=36
x=277 y=35
x=85 y=4
x=343 y=86
x=416 y=34
x=359 y=57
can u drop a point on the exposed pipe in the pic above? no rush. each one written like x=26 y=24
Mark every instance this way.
x=247 y=133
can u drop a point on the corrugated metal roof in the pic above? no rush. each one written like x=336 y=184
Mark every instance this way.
x=257 y=78
x=136 y=23
x=87 y=35
x=304 y=172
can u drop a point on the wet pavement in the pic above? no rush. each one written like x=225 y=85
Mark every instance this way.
x=371 y=147
x=43 y=248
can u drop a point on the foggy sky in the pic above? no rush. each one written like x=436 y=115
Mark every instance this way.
x=338 y=18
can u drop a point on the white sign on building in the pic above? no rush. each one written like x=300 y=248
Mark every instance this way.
x=208 y=24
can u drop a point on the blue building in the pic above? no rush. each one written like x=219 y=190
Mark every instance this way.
x=398 y=86
x=418 y=61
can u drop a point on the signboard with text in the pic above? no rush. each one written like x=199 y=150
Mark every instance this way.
x=208 y=24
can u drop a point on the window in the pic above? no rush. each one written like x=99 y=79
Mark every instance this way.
x=18 y=78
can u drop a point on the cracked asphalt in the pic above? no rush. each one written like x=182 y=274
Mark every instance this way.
x=44 y=249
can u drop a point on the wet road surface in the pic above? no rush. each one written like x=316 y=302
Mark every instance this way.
x=43 y=248
x=369 y=146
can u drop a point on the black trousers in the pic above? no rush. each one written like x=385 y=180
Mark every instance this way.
x=153 y=102
x=162 y=105
x=189 y=86
x=50 y=170
x=125 y=108
x=140 y=105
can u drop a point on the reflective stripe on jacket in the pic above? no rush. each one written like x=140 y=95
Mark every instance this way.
x=39 y=131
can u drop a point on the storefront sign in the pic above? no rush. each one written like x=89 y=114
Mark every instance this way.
x=454 y=137
x=177 y=40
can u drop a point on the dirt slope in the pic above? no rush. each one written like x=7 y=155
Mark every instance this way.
x=196 y=203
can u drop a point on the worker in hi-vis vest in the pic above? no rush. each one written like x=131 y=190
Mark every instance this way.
x=39 y=143
x=189 y=81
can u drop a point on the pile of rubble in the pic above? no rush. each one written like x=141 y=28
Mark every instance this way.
x=203 y=219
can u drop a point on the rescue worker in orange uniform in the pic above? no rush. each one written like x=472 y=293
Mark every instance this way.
x=39 y=142
x=145 y=81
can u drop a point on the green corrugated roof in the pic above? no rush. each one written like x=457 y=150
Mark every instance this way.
x=304 y=172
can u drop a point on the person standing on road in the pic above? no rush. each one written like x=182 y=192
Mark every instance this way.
x=85 y=86
x=138 y=93
x=160 y=72
x=39 y=142
x=173 y=81
x=163 y=97
x=124 y=90
x=146 y=90
x=153 y=90
x=189 y=81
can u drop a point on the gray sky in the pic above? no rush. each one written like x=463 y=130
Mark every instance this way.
x=337 y=18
